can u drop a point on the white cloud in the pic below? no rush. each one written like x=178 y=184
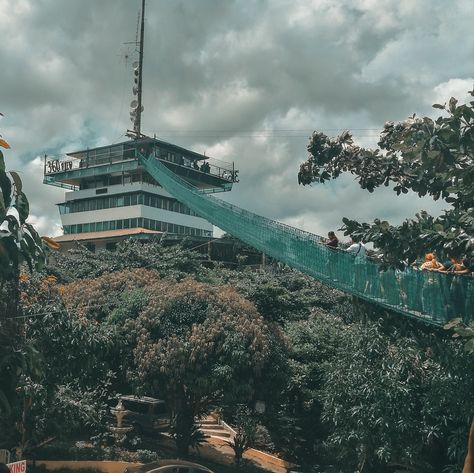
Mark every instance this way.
x=457 y=88
x=245 y=81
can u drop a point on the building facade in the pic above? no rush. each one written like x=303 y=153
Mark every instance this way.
x=110 y=196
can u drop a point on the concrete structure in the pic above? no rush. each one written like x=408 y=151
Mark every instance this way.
x=111 y=197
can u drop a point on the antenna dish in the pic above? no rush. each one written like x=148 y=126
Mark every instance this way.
x=134 y=104
x=135 y=90
x=135 y=65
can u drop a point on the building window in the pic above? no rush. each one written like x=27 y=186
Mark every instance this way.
x=149 y=224
x=136 y=198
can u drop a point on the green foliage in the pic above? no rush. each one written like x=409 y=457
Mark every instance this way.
x=75 y=408
x=16 y=360
x=19 y=241
x=296 y=427
x=465 y=332
x=200 y=345
x=68 y=394
x=429 y=157
x=245 y=426
x=130 y=304
x=396 y=405
x=170 y=261
x=359 y=396
x=282 y=294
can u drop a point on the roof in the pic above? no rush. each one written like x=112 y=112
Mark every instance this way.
x=135 y=143
x=106 y=234
x=142 y=399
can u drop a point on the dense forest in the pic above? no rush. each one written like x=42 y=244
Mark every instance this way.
x=343 y=391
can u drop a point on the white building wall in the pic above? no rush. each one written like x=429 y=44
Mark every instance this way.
x=118 y=189
x=135 y=211
x=176 y=218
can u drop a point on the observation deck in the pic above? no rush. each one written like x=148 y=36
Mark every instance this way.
x=119 y=164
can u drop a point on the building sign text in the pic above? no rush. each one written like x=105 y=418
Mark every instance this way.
x=58 y=166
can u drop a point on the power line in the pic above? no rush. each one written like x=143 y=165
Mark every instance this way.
x=268 y=134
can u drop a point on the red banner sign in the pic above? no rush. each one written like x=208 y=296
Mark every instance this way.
x=17 y=467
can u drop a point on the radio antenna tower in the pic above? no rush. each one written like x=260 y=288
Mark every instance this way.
x=136 y=104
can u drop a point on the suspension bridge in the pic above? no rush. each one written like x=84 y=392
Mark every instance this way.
x=431 y=297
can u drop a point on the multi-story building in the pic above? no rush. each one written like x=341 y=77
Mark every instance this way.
x=110 y=196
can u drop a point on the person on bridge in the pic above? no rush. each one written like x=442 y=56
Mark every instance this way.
x=332 y=241
x=454 y=265
x=357 y=248
x=431 y=263
x=359 y=251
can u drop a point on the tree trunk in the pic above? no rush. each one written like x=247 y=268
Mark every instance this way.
x=184 y=424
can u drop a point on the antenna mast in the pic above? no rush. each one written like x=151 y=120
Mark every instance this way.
x=136 y=105
x=138 y=122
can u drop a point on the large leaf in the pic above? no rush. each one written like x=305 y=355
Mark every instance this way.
x=23 y=206
x=6 y=187
x=34 y=234
x=17 y=181
x=3 y=210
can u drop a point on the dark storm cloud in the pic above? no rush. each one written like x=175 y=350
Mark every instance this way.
x=217 y=73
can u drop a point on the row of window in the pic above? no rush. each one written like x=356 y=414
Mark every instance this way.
x=134 y=223
x=94 y=157
x=110 y=180
x=125 y=200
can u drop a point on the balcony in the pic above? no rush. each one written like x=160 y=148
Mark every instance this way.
x=207 y=174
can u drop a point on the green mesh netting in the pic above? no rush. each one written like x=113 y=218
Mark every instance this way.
x=432 y=297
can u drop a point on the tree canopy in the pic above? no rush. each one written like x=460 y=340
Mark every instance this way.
x=429 y=157
x=198 y=345
x=19 y=241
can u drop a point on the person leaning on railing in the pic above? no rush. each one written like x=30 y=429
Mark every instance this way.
x=455 y=288
x=456 y=266
x=332 y=241
x=431 y=263
x=359 y=251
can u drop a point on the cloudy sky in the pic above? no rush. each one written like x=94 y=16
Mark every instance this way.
x=242 y=80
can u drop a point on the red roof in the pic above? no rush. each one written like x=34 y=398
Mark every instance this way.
x=101 y=235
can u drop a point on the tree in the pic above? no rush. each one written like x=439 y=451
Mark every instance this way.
x=65 y=375
x=389 y=403
x=429 y=157
x=200 y=346
x=171 y=261
x=245 y=432
x=19 y=243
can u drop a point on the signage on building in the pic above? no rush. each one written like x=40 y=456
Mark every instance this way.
x=57 y=166
x=17 y=467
